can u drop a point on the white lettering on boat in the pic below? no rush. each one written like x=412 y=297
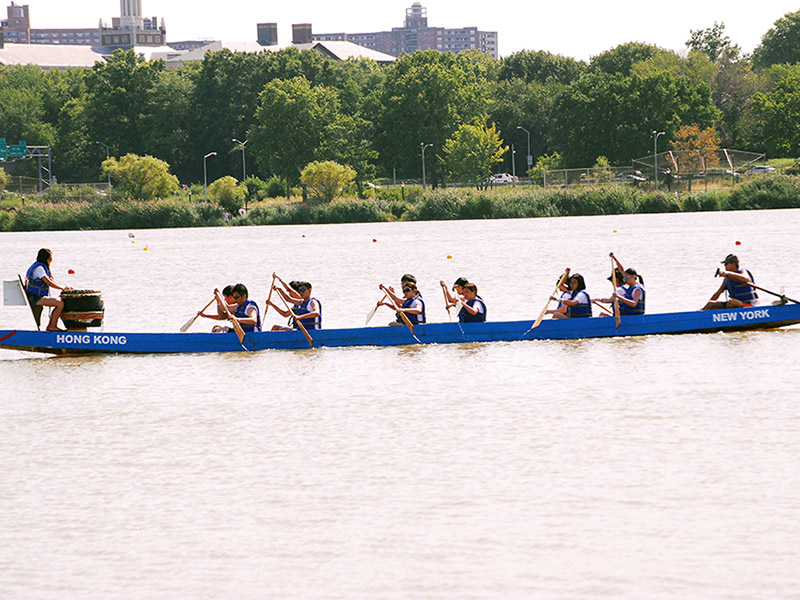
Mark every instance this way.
x=745 y=315
x=87 y=339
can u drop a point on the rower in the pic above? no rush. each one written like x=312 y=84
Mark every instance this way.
x=306 y=308
x=458 y=287
x=631 y=300
x=38 y=282
x=576 y=303
x=413 y=306
x=473 y=309
x=737 y=283
x=221 y=315
x=247 y=313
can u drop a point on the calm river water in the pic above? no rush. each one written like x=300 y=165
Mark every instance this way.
x=658 y=467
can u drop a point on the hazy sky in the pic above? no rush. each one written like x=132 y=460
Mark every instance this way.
x=579 y=28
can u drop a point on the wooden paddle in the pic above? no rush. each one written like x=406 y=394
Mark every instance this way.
x=269 y=296
x=614 y=283
x=403 y=315
x=374 y=310
x=549 y=299
x=185 y=327
x=298 y=321
x=237 y=327
x=447 y=304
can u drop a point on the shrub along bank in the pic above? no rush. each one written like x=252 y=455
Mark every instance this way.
x=779 y=191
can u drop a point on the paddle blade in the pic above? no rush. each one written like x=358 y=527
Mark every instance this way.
x=371 y=314
x=185 y=327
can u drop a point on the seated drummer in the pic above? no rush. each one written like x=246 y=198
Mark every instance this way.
x=38 y=282
x=306 y=308
x=735 y=283
x=413 y=307
x=473 y=308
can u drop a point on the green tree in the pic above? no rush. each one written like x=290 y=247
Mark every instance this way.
x=289 y=124
x=141 y=177
x=472 y=152
x=780 y=45
x=613 y=115
x=119 y=96
x=227 y=192
x=713 y=43
x=602 y=170
x=4 y=179
x=326 y=179
x=620 y=60
x=427 y=95
x=348 y=140
x=548 y=162
x=541 y=67
x=778 y=111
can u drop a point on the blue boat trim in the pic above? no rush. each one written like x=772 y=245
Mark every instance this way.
x=80 y=342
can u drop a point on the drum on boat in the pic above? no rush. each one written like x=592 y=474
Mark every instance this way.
x=82 y=309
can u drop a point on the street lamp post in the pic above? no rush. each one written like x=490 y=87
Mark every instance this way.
x=107 y=156
x=530 y=158
x=205 y=173
x=423 y=145
x=244 y=168
x=655 y=153
x=513 y=162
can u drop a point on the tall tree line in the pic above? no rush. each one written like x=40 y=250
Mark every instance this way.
x=295 y=107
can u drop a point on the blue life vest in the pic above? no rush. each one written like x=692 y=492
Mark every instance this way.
x=36 y=287
x=741 y=291
x=241 y=312
x=302 y=309
x=414 y=319
x=464 y=316
x=624 y=309
x=580 y=310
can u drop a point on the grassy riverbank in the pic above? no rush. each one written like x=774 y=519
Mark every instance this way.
x=764 y=192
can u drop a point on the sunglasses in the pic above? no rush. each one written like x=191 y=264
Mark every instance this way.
x=236 y=296
x=302 y=289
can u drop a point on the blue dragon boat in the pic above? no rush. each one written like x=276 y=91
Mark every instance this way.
x=84 y=342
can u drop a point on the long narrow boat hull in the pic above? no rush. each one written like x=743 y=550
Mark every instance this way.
x=78 y=342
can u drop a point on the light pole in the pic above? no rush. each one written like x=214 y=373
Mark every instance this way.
x=530 y=158
x=423 y=145
x=107 y=156
x=513 y=162
x=655 y=153
x=205 y=173
x=241 y=147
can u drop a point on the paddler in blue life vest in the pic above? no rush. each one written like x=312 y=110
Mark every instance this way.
x=458 y=288
x=473 y=308
x=221 y=315
x=735 y=283
x=247 y=313
x=306 y=308
x=405 y=280
x=412 y=306
x=576 y=303
x=38 y=282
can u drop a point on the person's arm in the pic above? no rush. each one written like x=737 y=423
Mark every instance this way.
x=619 y=264
x=740 y=277
x=281 y=311
x=718 y=292
x=290 y=297
x=250 y=320
x=395 y=301
x=450 y=299
x=313 y=311
x=288 y=289
x=53 y=284
x=637 y=293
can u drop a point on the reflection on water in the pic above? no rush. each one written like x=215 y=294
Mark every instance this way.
x=661 y=466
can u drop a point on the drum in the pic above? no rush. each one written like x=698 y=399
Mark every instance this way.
x=82 y=309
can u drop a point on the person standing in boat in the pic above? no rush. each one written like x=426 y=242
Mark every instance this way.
x=306 y=308
x=576 y=303
x=736 y=283
x=38 y=282
x=412 y=306
x=458 y=288
x=473 y=308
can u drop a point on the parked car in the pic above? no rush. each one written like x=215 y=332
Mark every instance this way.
x=629 y=176
x=758 y=169
x=501 y=178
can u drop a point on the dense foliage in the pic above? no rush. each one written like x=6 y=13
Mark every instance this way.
x=296 y=107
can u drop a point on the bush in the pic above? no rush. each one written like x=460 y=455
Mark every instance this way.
x=227 y=192
x=770 y=191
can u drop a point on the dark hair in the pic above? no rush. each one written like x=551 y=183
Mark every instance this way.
x=633 y=272
x=409 y=278
x=227 y=290
x=240 y=289
x=618 y=274
x=472 y=288
x=581 y=282
x=462 y=281
x=409 y=287
x=295 y=285
x=44 y=255
x=305 y=284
